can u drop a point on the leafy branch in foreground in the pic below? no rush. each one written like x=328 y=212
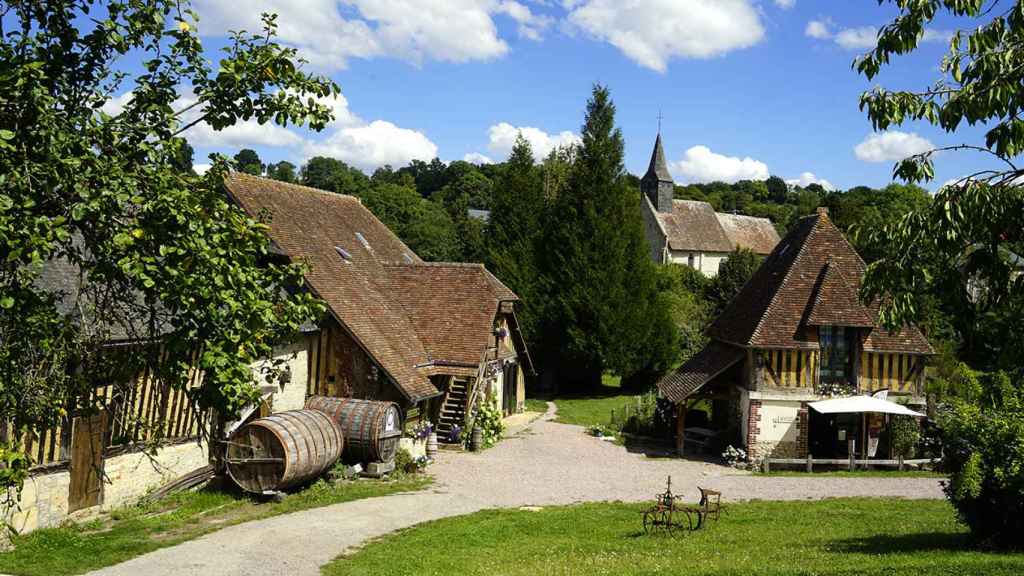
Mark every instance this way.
x=91 y=187
x=965 y=245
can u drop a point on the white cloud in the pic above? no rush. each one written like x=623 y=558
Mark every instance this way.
x=330 y=32
x=891 y=146
x=375 y=144
x=503 y=137
x=530 y=25
x=477 y=158
x=349 y=138
x=650 y=33
x=116 y=104
x=937 y=35
x=807 y=178
x=858 y=38
x=785 y=4
x=201 y=168
x=700 y=164
x=862 y=37
x=820 y=29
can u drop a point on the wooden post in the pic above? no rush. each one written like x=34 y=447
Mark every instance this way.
x=810 y=462
x=851 y=448
x=899 y=463
x=681 y=428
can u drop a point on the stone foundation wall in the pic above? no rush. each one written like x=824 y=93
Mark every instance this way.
x=44 y=500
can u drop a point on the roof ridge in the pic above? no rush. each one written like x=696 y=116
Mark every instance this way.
x=341 y=195
x=785 y=279
x=435 y=264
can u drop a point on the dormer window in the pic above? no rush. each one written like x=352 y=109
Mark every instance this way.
x=836 y=364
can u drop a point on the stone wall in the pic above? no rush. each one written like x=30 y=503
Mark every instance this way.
x=652 y=231
x=44 y=500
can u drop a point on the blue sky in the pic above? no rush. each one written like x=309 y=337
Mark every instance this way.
x=746 y=87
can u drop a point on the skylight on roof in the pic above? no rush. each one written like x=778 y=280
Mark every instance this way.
x=343 y=253
x=362 y=240
x=407 y=258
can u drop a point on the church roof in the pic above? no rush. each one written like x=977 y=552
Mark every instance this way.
x=812 y=276
x=694 y=226
x=658 y=168
x=757 y=234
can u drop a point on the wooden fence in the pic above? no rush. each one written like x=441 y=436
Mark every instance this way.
x=851 y=462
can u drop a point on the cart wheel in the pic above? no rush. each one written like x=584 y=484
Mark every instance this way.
x=649 y=521
x=688 y=522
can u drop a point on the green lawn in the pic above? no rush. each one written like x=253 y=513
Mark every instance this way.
x=840 y=537
x=594 y=407
x=132 y=531
x=536 y=405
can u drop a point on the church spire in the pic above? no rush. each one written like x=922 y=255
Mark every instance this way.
x=658 y=167
x=657 y=183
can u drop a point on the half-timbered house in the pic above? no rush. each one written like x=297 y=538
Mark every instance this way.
x=431 y=336
x=796 y=333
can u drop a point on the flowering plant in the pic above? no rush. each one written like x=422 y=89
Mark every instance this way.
x=833 y=389
x=735 y=457
x=421 y=430
x=455 y=434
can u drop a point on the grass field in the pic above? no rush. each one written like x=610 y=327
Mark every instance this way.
x=536 y=405
x=594 y=407
x=832 y=537
x=132 y=531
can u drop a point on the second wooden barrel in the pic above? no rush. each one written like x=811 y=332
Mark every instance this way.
x=283 y=450
x=372 y=428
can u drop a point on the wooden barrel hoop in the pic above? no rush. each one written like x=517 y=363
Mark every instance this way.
x=372 y=428
x=283 y=449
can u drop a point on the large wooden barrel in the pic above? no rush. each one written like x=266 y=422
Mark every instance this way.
x=372 y=428
x=283 y=450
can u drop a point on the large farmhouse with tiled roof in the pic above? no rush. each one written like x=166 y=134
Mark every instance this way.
x=796 y=333
x=430 y=336
x=691 y=232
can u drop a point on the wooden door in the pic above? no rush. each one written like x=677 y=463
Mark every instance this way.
x=87 y=462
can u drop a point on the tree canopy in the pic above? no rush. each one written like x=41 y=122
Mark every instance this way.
x=970 y=234
x=156 y=252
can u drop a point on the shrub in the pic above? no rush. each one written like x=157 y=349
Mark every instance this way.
x=984 y=455
x=488 y=418
x=904 y=434
x=403 y=460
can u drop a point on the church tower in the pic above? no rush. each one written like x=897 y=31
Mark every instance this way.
x=657 y=183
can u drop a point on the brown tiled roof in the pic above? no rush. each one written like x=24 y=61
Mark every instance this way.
x=311 y=226
x=835 y=301
x=692 y=225
x=757 y=234
x=714 y=359
x=772 y=308
x=452 y=307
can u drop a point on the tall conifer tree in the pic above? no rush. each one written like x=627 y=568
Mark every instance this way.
x=515 y=232
x=604 y=309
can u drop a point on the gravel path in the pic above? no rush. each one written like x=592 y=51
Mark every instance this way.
x=545 y=463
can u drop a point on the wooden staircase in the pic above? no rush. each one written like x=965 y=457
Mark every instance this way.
x=453 y=409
